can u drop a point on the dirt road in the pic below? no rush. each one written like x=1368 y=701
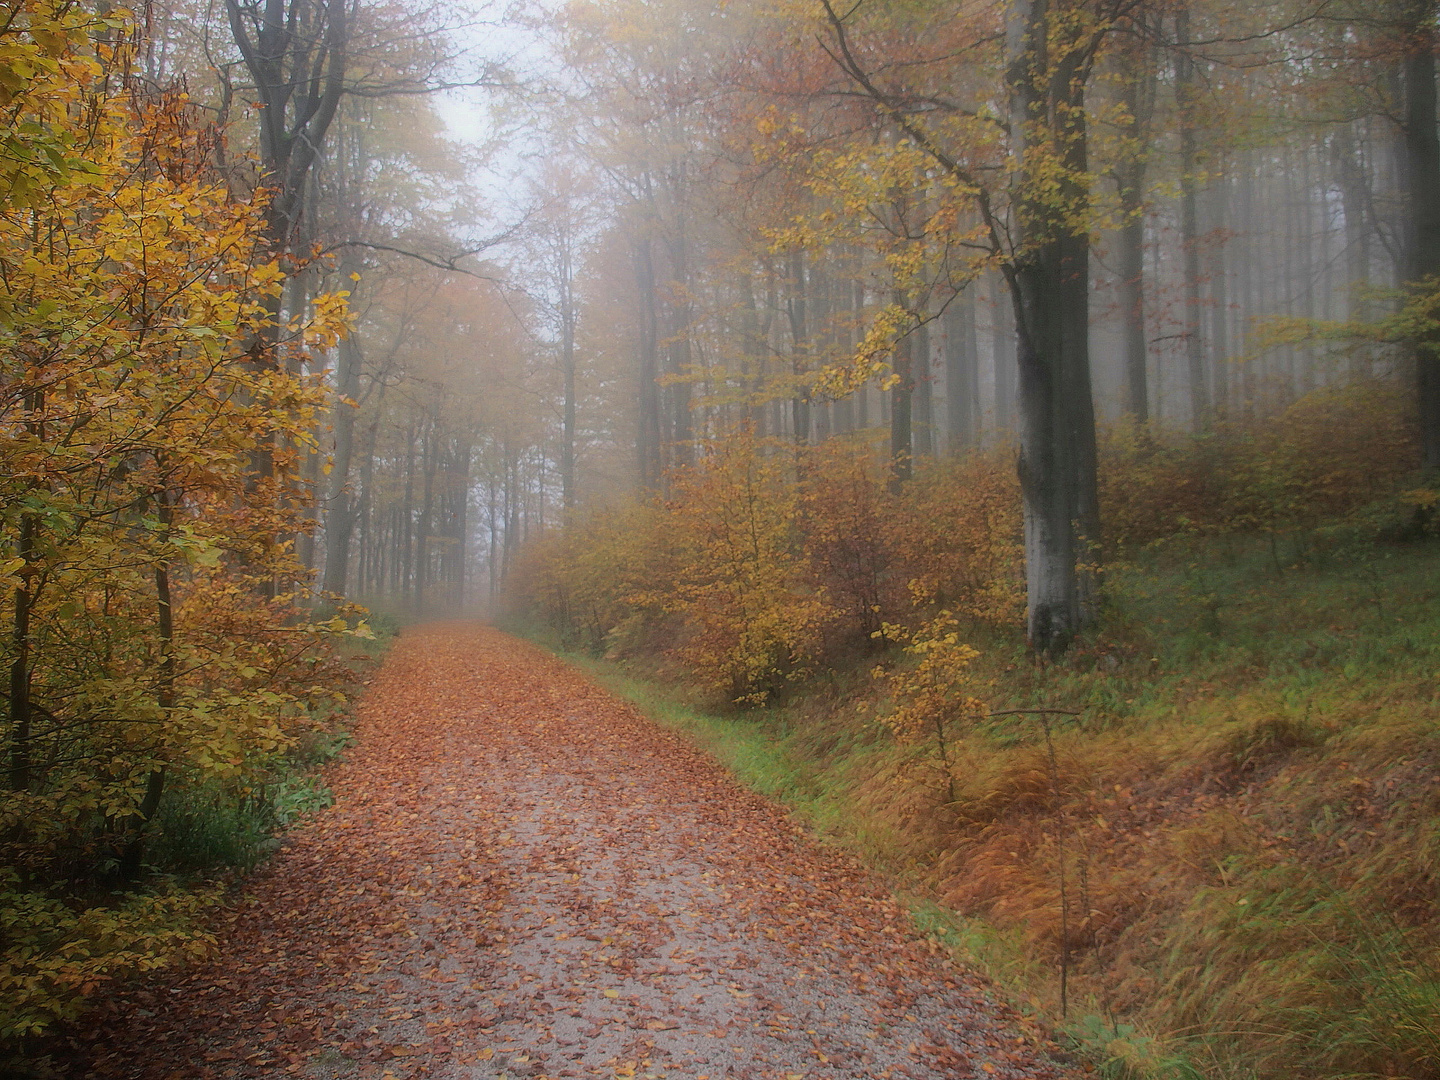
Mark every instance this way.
x=523 y=877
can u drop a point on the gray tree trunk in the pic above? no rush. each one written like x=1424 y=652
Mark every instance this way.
x=1422 y=195
x=799 y=347
x=647 y=440
x=902 y=393
x=340 y=518
x=962 y=376
x=1049 y=279
x=1138 y=97
x=1185 y=91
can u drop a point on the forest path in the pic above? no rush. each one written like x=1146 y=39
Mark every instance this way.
x=523 y=877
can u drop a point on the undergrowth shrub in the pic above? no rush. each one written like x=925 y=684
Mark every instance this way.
x=1338 y=455
x=750 y=619
x=761 y=564
x=56 y=950
x=956 y=535
x=933 y=700
x=595 y=581
x=846 y=522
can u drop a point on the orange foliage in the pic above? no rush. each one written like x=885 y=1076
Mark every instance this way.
x=756 y=568
x=763 y=562
x=1328 y=457
x=846 y=518
x=752 y=620
x=956 y=536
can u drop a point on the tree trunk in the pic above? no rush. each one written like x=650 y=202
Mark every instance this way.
x=340 y=521
x=680 y=360
x=647 y=442
x=370 y=547
x=406 y=525
x=1138 y=98
x=1002 y=355
x=1245 y=282
x=568 y=316
x=924 y=418
x=1185 y=91
x=962 y=381
x=430 y=463
x=1422 y=195
x=462 y=522
x=21 y=714
x=134 y=853
x=753 y=359
x=902 y=392
x=1049 y=279
x=1220 y=305
x=799 y=349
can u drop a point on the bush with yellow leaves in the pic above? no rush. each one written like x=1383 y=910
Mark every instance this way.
x=933 y=700
x=752 y=621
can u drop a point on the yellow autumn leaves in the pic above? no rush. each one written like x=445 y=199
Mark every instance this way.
x=141 y=538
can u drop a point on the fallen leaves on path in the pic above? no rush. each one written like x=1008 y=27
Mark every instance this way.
x=523 y=877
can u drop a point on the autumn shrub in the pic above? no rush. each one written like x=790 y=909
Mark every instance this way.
x=955 y=539
x=932 y=699
x=1340 y=455
x=845 y=518
x=751 y=619
x=763 y=563
x=598 y=582
x=1153 y=488
x=55 y=953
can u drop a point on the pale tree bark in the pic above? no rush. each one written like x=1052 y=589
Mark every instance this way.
x=1049 y=279
x=568 y=375
x=902 y=396
x=430 y=464
x=1219 y=304
x=1185 y=92
x=857 y=314
x=962 y=376
x=1002 y=351
x=1348 y=164
x=341 y=515
x=818 y=286
x=921 y=367
x=679 y=354
x=1138 y=98
x=647 y=441
x=795 y=308
x=753 y=345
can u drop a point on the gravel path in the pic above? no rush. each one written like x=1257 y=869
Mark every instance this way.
x=523 y=877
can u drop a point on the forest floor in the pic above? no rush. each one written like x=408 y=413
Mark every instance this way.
x=522 y=876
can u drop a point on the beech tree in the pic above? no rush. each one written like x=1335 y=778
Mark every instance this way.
x=1037 y=231
x=295 y=51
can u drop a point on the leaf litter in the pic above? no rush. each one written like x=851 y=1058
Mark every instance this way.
x=523 y=877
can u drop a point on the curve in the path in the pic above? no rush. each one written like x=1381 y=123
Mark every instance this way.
x=523 y=877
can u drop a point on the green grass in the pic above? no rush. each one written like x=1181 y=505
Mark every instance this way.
x=210 y=826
